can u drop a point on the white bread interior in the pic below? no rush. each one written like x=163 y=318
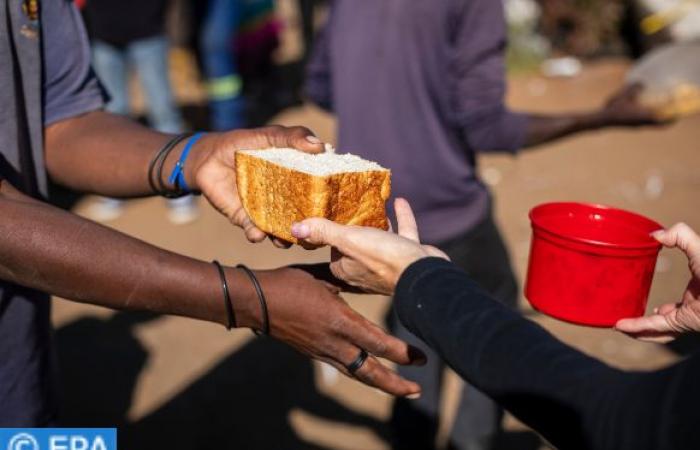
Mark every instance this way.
x=281 y=186
x=320 y=164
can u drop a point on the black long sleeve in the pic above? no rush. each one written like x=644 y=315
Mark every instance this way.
x=573 y=400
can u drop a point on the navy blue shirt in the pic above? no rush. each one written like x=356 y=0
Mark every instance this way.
x=573 y=400
x=45 y=77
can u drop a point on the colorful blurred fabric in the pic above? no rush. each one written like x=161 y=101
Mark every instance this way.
x=237 y=41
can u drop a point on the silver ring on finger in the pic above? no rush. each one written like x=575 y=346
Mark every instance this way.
x=358 y=362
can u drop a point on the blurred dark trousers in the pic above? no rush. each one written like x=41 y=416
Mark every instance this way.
x=482 y=254
x=306 y=11
x=224 y=84
x=149 y=58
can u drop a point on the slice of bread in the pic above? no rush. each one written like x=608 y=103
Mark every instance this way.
x=281 y=186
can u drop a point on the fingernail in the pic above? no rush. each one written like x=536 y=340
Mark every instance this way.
x=313 y=139
x=300 y=230
x=657 y=234
x=415 y=396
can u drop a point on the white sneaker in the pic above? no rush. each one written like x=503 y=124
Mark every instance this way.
x=105 y=209
x=183 y=210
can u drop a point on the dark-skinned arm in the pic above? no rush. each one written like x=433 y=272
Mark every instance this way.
x=60 y=253
x=106 y=154
x=542 y=129
x=622 y=110
x=478 y=108
x=54 y=251
x=500 y=129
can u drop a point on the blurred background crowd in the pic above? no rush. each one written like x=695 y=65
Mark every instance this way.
x=224 y=64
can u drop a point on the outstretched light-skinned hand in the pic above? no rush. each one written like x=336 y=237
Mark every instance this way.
x=368 y=258
x=672 y=319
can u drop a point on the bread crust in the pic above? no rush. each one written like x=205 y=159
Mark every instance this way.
x=275 y=197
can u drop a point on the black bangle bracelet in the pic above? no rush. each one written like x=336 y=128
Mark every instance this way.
x=159 y=156
x=155 y=169
x=230 y=314
x=265 y=328
x=165 y=192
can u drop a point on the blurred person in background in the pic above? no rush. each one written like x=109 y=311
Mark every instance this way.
x=599 y=27
x=573 y=400
x=53 y=126
x=256 y=41
x=419 y=87
x=231 y=25
x=130 y=35
x=583 y=29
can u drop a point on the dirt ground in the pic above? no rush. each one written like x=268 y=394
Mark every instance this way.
x=193 y=385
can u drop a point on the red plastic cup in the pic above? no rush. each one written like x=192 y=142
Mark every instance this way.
x=590 y=264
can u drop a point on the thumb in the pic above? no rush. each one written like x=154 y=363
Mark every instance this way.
x=300 y=138
x=319 y=231
x=406 y=220
x=654 y=328
x=681 y=236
